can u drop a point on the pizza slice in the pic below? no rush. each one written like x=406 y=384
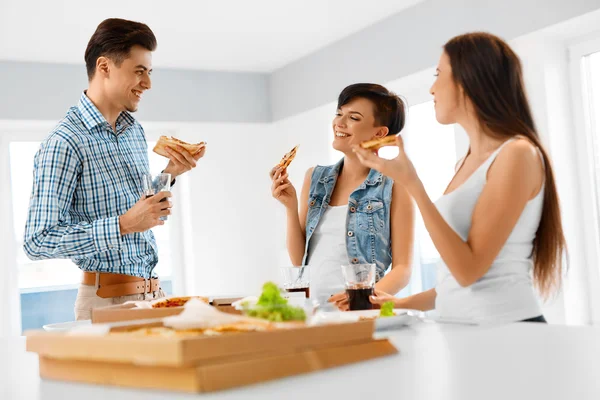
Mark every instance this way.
x=376 y=144
x=169 y=141
x=287 y=159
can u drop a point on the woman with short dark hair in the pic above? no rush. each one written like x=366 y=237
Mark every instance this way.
x=348 y=213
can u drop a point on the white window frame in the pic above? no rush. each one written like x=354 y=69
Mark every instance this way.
x=37 y=131
x=583 y=144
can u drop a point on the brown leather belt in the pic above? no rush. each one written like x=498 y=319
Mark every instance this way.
x=115 y=285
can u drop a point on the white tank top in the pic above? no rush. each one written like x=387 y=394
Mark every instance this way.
x=327 y=250
x=505 y=293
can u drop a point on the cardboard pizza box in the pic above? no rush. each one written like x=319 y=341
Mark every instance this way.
x=202 y=363
x=130 y=312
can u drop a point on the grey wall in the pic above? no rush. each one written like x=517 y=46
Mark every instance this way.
x=39 y=91
x=405 y=43
x=35 y=91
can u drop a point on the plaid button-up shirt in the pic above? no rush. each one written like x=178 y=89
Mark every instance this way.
x=86 y=175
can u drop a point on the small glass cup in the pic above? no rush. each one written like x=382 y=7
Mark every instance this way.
x=152 y=184
x=296 y=279
x=360 y=284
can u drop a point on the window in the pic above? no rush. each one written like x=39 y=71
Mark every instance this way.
x=55 y=282
x=591 y=70
x=578 y=171
x=432 y=150
x=33 y=274
x=588 y=61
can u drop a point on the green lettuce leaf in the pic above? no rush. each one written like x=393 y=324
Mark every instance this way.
x=387 y=309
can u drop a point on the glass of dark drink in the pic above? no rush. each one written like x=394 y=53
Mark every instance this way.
x=360 y=282
x=152 y=184
x=296 y=279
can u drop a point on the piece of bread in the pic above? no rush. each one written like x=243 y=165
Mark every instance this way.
x=376 y=144
x=170 y=141
x=288 y=158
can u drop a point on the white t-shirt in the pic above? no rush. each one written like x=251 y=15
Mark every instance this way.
x=327 y=253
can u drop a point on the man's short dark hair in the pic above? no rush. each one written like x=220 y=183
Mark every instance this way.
x=388 y=108
x=114 y=39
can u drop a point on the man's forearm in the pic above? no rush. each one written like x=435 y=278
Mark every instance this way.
x=69 y=241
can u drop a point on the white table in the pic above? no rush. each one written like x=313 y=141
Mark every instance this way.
x=436 y=361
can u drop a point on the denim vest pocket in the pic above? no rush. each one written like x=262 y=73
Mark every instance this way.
x=370 y=215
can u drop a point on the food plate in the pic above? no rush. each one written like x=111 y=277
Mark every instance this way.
x=402 y=317
x=65 y=326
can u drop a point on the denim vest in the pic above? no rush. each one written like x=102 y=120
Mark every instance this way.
x=368 y=220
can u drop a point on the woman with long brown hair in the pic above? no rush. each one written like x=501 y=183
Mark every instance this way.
x=498 y=226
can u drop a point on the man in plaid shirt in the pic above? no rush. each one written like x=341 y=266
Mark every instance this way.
x=85 y=204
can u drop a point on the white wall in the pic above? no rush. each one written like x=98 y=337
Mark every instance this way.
x=229 y=229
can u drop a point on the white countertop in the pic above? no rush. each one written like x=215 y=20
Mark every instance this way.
x=436 y=361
